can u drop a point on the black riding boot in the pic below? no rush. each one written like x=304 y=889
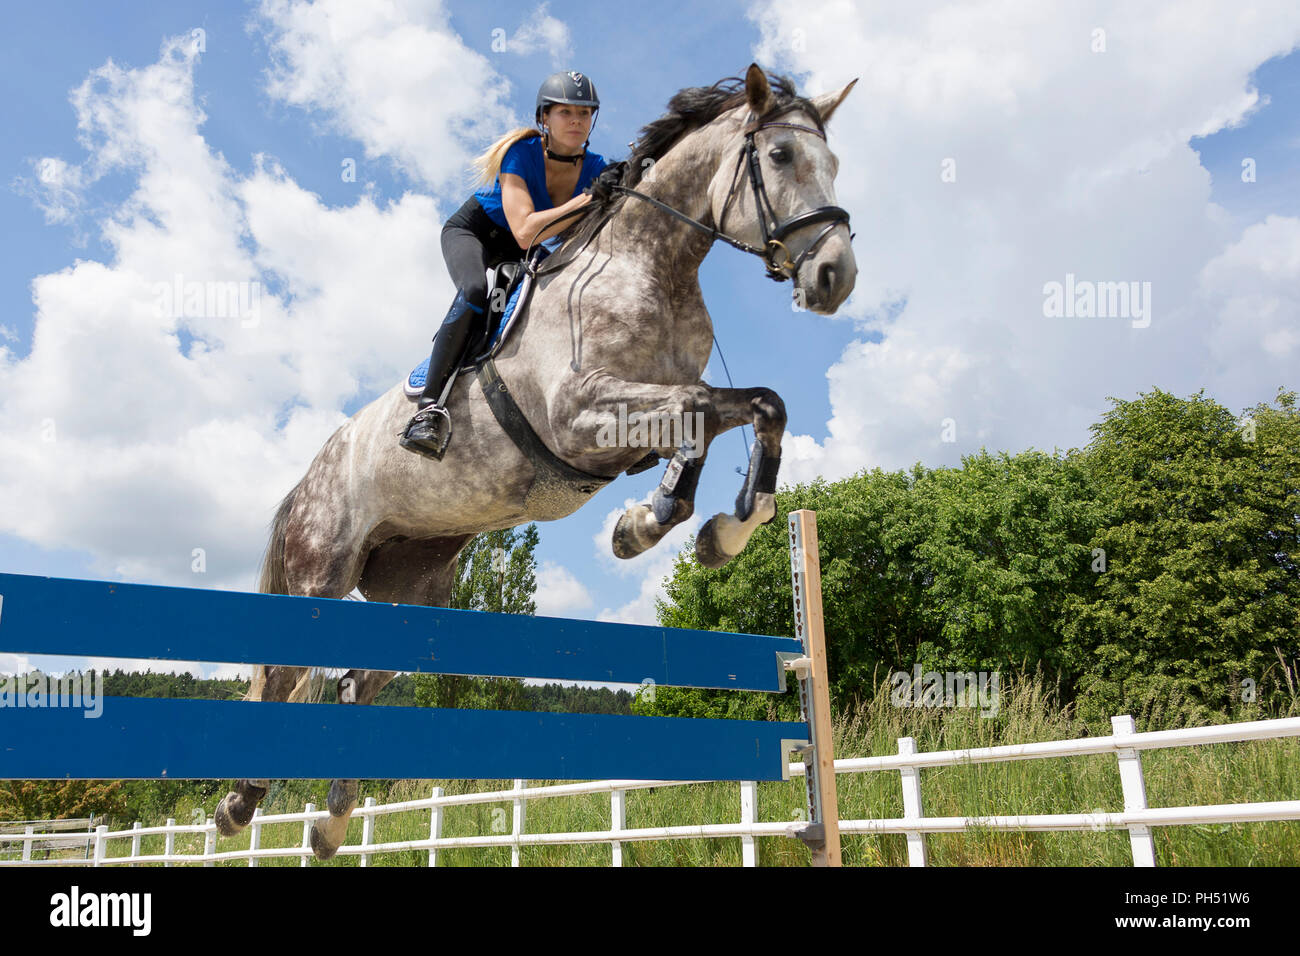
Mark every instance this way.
x=429 y=431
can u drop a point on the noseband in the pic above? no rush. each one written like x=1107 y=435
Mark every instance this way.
x=774 y=231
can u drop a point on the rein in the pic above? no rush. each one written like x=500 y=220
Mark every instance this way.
x=773 y=234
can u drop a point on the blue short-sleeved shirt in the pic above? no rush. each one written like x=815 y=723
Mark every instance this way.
x=527 y=160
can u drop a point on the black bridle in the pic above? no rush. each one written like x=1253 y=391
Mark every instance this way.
x=773 y=229
x=773 y=234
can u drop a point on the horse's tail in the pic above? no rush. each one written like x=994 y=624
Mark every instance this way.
x=272 y=578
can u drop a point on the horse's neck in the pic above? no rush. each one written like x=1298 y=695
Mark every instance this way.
x=656 y=243
x=637 y=283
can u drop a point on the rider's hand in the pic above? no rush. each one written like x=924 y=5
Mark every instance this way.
x=612 y=175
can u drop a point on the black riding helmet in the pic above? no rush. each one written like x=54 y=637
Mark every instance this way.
x=571 y=89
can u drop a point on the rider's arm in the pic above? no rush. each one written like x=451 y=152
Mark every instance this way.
x=525 y=220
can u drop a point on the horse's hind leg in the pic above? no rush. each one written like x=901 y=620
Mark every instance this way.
x=298 y=563
x=235 y=811
x=413 y=571
x=327 y=835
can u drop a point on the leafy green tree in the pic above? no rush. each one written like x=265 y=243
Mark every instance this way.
x=1200 y=590
x=999 y=542
x=60 y=799
x=497 y=572
x=955 y=569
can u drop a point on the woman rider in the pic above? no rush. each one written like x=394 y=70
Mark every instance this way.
x=536 y=176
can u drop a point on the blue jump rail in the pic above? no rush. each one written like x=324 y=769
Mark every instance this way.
x=151 y=739
x=117 y=738
x=42 y=615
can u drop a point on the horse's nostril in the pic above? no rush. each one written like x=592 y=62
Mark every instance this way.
x=826 y=278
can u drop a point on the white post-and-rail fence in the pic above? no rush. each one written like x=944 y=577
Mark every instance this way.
x=1136 y=817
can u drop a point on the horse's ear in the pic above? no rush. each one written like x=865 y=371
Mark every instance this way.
x=827 y=102
x=757 y=91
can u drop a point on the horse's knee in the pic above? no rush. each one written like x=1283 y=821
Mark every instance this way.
x=769 y=413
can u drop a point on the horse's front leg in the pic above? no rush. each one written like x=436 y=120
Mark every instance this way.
x=712 y=411
x=725 y=535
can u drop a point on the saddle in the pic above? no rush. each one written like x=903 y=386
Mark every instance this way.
x=506 y=289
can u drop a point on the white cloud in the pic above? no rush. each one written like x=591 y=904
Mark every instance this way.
x=559 y=593
x=15 y=664
x=137 y=665
x=223 y=671
x=394 y=76
x=62 y=664
x=140 y=431
x=543 y=31
x=1253 y=288
x=652 y=567
x=1067 y=161
x=57 y=188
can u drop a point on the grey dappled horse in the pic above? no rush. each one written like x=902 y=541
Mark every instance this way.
x=621 y=324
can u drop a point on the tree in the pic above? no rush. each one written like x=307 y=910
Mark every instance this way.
x=496 y=572
x=953 y=569
x=1200 y=590
x=60 y=799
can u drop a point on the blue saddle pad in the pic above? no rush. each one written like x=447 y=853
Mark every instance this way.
x=415 y=381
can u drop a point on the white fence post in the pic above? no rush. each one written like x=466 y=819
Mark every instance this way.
x=254 y=836
x=435 y=825
x=518 y=824
x=135 y=840
x=617 y=822
x=27 y=844
x=1135 y=792
x=367 y=830
x=210 y=842
x=169 y=847
x=101 y=834
x=916 y=849
x=748 y=807
x=306 y=835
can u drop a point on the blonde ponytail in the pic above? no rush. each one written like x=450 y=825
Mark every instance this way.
x=489 y=163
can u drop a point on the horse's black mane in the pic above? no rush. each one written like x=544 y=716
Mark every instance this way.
x=691 y=108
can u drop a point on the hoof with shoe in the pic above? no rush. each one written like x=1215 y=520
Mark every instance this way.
x=322 y=849
x=234 y=812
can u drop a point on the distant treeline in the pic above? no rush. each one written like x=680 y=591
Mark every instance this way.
x=403 y=691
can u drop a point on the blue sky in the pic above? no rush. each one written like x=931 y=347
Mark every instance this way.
x=1121 y=163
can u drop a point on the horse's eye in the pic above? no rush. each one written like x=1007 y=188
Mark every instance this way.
x=780 y=155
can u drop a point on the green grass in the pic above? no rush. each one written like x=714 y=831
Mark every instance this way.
x=1210 y=774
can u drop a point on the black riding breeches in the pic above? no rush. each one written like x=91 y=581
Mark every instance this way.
x=472 y=243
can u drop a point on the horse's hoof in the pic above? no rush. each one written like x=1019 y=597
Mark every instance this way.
x=233 y=813
x=342 y=797
x=626 y=543
x=323 y=850
x=707 y=551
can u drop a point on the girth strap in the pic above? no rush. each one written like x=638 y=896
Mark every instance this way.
x=547 y=465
